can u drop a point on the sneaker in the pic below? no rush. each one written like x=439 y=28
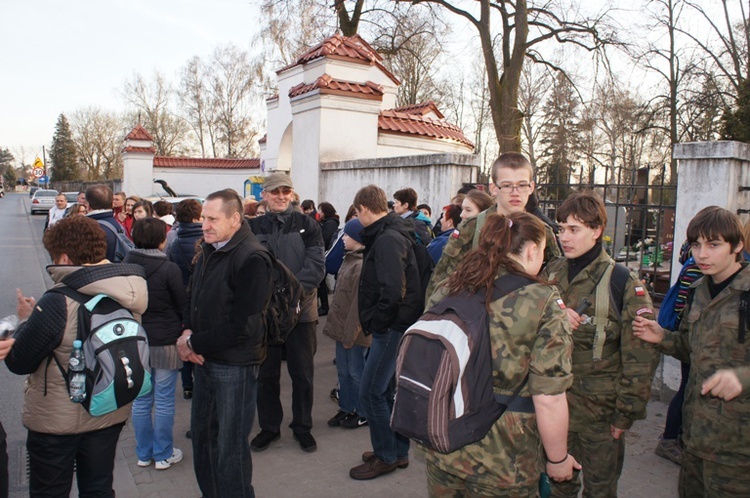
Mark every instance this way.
x=335 y=421
x=189 y=435
x=187 y=393
x=669 y=449
x=306 y=442
x=372 y=469
x=353 y=421
x=264 y=439
x=144 y=463
x=175 y=458
x=335 y=394
x=401 y=463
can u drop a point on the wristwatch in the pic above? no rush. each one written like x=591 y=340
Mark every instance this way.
x=189 y=344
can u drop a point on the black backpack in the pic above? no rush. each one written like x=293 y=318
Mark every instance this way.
x=285 y=306
x=444 y=396
x=425 y=265
x=123 y=245
x=116 y=351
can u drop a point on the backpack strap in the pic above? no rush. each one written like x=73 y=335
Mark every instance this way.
x=601 y=311
x=617 y=284
x=481 y=218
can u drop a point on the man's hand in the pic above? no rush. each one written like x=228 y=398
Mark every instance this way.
x=723 y=384
x=24 y=305
x=563 y=471
x=187 y=354
x=647 y=330
x=574 y=318
x=5 y=348
x=616 y=433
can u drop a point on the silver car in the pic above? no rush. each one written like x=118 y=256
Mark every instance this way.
x=43 y=200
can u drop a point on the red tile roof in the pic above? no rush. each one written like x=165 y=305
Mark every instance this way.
x=263 y=139
x=139 y=133
x=393 y=121
x=130 y=148
x=205 y=162
x=329 y=86
x=348 y=48
x=422 y=108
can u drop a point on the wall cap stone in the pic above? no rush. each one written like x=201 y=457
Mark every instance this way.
x=420 y=160
x=724 y=149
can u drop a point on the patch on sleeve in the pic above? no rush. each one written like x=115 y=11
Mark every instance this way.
x=561 y=304
x=644 y=310
x=455 y=234
x=640 y=291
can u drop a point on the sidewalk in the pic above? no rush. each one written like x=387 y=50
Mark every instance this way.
x=285 y=471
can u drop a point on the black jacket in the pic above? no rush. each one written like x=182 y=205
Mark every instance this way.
x=329 y=226
x=111 y=237
x=166 y=297
x=295 y=239
x=229 y=290
x=182 y=250
x=389 y=287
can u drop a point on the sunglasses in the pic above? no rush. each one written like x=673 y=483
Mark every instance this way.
x=281 y=190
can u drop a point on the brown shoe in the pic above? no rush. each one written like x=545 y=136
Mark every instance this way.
x=369 y=456
x=372 y=469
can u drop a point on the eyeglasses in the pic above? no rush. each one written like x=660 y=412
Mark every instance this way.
x=281 y=190
x=507 y=188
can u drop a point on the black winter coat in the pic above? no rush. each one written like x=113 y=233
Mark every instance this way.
x=166 y=297
x=329 y=226
x=389 y=287
x=228 y=292
x=182 y=250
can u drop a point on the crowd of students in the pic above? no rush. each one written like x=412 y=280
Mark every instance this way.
x=579 y=342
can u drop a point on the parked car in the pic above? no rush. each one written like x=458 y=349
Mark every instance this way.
x=71 y=197
x=32 y=191
x=174 y=200
x=43 y=200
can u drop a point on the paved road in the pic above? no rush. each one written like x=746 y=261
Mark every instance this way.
x=283 y=470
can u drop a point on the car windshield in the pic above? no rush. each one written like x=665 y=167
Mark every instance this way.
x=71 y=197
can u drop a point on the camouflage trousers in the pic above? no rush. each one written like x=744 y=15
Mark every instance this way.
x=601 y=457
x=703 y=478
x=441 y=484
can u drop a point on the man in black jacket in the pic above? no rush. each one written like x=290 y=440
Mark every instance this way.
x=99 y=199
x=225 y=337
x=389 y=302
x=295 y=239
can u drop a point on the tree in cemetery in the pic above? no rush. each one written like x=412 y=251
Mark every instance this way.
x=98 y=136
x=63 y=154
x=6 y=167
x=736 y=122
x=561 y=139
x=152 y=106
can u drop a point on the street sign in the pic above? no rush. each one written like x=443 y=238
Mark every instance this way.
x=43 y=179
x=38 y=163
x=38 y=172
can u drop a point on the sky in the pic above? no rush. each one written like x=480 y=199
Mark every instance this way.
x=60 y=56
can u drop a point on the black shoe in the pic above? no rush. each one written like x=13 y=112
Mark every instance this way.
x=306 y=442
x=187 y=393
x=335 y=421
x=353 y=421
x=189 y=435
x=335 y=394
x=322 y=311
x=264 y=439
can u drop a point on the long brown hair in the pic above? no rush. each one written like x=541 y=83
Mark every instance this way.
x=501 y=236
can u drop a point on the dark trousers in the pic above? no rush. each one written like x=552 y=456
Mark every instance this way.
x=300 y=348
x=187 y=375
x=673 y=425
x=51 y=459
x=323 y=294
x=3 y=463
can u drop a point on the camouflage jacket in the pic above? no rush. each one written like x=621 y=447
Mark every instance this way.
x=461 y=242
x=614 y=390
x=714 y=429
x=529 y=334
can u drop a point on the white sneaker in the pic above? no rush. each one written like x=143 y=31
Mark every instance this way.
x=142 y=463
x=175 y=458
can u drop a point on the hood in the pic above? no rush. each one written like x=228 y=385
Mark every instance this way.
x=422 y=217
x=125 y=283
x=189 y=229
x=391 y=221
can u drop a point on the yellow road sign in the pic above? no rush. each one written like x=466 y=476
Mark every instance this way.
x=38 y=163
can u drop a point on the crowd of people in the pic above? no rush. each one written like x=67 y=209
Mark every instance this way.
x=578 y=344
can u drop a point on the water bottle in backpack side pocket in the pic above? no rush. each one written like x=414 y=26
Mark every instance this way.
x=8 y=326
x=76 y=374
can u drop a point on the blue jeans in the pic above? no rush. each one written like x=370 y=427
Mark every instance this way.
x=153 y=436
x=350 y=363
x=221 y=420
x=376 y=397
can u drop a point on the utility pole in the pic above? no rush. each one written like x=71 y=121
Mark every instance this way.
x=44 y=160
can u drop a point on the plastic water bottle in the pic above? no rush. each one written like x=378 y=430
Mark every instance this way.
x=77 y=384
x=8 y=326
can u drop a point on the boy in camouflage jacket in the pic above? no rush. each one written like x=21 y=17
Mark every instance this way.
x=612 y=370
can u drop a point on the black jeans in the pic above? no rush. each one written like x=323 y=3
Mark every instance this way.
x=3 y=463
x=673 y=425
x=51 y=460
x=300 y=349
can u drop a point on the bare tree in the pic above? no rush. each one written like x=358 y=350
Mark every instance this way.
x=534 y=87
x=152 y=106
x=98 y=136
x=194 y=102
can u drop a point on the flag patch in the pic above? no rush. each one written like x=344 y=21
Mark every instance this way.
x=561 y=304
x=643 y=310
x=640 y=291
x=455 y=234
